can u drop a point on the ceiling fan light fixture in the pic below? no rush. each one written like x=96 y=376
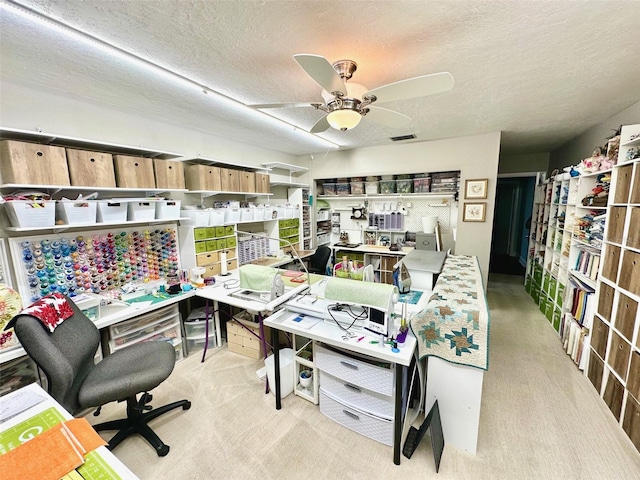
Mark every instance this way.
x=344 y=119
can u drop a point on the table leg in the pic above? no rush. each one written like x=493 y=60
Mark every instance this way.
x=206 y=330
x=276 y=364
x=397 y=416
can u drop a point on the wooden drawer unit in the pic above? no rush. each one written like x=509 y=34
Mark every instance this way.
x=230 y=180
x=631 y=422
x=626 y=315
x=616 y=219
x=630 y=272
x=605 y=302
x=623 y=184
x=33 y=164
x=613 y=393
x=619 y=352
x=169 y=174
x=600 y=334
x=633 y=238
x=202 y=177
x=596 y=370
x=134 y=172
x=633 y=382
x=245 y=340
x=247 y=182
x=263 y=183
x=203 y=259
x=611 y=259
x=92 y=169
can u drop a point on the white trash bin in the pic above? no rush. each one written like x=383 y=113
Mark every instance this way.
x=286 y=372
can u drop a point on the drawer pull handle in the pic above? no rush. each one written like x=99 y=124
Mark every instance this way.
x=352 y=415
x=352 y=387
x=349 y=365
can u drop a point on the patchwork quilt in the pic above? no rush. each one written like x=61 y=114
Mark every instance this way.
x=454 y=325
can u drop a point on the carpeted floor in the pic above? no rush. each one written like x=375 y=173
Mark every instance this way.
x=540 y=419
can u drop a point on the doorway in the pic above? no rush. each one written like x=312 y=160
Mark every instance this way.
x=511 y=224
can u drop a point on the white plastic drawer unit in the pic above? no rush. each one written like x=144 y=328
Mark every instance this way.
x=376 y=428
x=366 y=373
x=145 y=327
x=346 y=392
x=197 y=328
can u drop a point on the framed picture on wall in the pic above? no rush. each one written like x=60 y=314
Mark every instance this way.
x=474 y=212
x=476 y=188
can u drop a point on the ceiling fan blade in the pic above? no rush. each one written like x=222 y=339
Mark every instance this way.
x=282 y=105
x=386 y=117
x=320 y=126
x=413 y=87
x=321 y=71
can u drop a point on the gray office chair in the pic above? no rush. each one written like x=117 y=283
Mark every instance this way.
x=66 y=356
x=319 y=260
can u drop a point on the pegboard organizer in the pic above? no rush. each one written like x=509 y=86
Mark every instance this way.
x=99 y=261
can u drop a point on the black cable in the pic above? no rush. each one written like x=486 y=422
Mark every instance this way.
x=355 y=317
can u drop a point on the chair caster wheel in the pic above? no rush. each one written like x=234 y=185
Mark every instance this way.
x=186 y=406
x=163 y=450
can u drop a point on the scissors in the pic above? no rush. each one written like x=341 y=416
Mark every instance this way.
x=348 y=336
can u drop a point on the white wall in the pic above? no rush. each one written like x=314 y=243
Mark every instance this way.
x=475 y=156
x=572 y=152
x=27 y=109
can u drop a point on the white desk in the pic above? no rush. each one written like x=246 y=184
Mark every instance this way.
x=32 y=421
x=222 y=291
x=332 y=335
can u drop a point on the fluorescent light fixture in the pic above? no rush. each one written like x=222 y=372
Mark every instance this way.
x=344 y=119
x=76 y=34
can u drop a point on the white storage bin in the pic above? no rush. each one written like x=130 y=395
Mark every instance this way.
x=216 y=217
x=141 y=211
x=24 y=213
x=232 y=215
x=111 y=212
x=258 y=214
x=269 y=213
x=167 y=209
x=246 y=214
x=286 y=372
x=290 y=212
x=73 y=212
x=194 y=344
x=281 y=212
x=196 y=218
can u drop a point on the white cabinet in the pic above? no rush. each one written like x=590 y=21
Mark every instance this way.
x=357 y=392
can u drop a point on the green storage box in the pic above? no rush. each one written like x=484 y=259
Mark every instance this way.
x=212 y=245
x=220 y=231
x=553 y=283
x=201 y=247
x=200 y=233
x=548 y=310
x=231 y=242
x=560 y=294
x=211 y=232
x=557 y=316
x=545 y=282
x=228 y=230
x=221 y=244
x=537 y=273
x=527 y=284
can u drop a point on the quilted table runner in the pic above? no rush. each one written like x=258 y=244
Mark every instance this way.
x=454 y=325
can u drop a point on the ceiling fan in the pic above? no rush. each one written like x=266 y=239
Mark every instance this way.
x=345 y=103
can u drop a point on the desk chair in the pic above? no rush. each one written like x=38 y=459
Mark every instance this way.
x=319 y=260
x=66 y=356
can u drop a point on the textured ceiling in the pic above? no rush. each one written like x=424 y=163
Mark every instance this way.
x=540 y=72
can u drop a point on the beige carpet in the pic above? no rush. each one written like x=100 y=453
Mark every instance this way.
x=540 y=419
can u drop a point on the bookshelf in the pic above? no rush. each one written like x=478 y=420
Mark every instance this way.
x=614 y=353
